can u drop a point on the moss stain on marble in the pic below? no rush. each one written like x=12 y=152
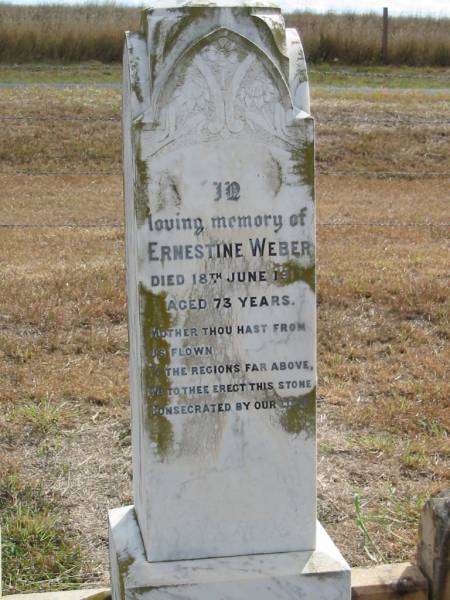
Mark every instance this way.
x=272 y=38
x=279 y=35
x=153 y=53
x=154 y=313
x=303 y=162
x=195 y=13
x=141 y=178
x=295 y=272
x=144 y=22
x=301 y=416
x=124 y=568
x=136 y=84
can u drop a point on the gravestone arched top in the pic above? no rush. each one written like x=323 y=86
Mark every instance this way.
x=170 y=36
x=168 y=4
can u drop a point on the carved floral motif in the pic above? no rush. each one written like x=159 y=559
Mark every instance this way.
x=223 y=89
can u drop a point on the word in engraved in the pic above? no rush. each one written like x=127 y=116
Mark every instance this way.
x=232 y=190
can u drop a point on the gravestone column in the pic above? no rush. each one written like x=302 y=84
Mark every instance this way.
x=220 y=241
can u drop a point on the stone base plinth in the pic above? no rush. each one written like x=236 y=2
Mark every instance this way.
x=319 y=575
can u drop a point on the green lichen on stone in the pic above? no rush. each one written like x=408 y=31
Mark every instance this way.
x=279 y=34
x=136 y=87
x=194 y=14
x=144 y=22
x=154 y=313
x=124 y=568
x=301 y=416
x=141 y=179
x=274 y=36
x=276 y=175
x=303 y=159
x=134 y=76
x=153 y=49
x=295 y=272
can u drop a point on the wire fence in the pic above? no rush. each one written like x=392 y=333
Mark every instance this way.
x=385 y=174
x=312 y=70
x=35 y=173
x=379 y=75
x=319 y=224
x=396 y=119
x=60 y=118
x=60 y=225
x=319 y=171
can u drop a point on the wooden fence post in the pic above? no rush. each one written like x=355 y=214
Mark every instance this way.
x=433 y=553
x=384 y=39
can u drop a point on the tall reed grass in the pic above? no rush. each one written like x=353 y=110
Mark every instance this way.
x=95 y=32
x=356 y=39
x=64 y=33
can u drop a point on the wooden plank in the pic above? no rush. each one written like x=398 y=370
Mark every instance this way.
x=92 y=594
x=389 y=582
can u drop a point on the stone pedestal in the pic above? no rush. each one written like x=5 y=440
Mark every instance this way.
x=321 y=574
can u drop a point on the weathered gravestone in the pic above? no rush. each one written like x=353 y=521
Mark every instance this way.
x=218 y=165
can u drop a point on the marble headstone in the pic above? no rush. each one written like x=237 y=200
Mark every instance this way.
x=220 y=241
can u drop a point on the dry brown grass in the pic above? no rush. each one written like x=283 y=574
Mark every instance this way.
x=383 y=316
x=55 y=200
x=356 y=38
x=382 y=131
x=52 y=131
x=95 y=32
x=64 y=33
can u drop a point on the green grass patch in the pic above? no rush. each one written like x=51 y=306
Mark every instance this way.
x=376 y=443
x=90 y=72
x=387 y=524
x=380 y=77
x=343 y=76
x=43 y=415
x=39 y=553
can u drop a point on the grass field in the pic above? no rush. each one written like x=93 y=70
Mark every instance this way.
x=382 y=311
x=95 y=32
x=435 y=78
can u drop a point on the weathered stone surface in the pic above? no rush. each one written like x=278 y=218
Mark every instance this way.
x=311 y=575
x=218 y=162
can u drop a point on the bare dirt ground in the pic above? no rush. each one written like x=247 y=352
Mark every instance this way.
x=383 y=323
